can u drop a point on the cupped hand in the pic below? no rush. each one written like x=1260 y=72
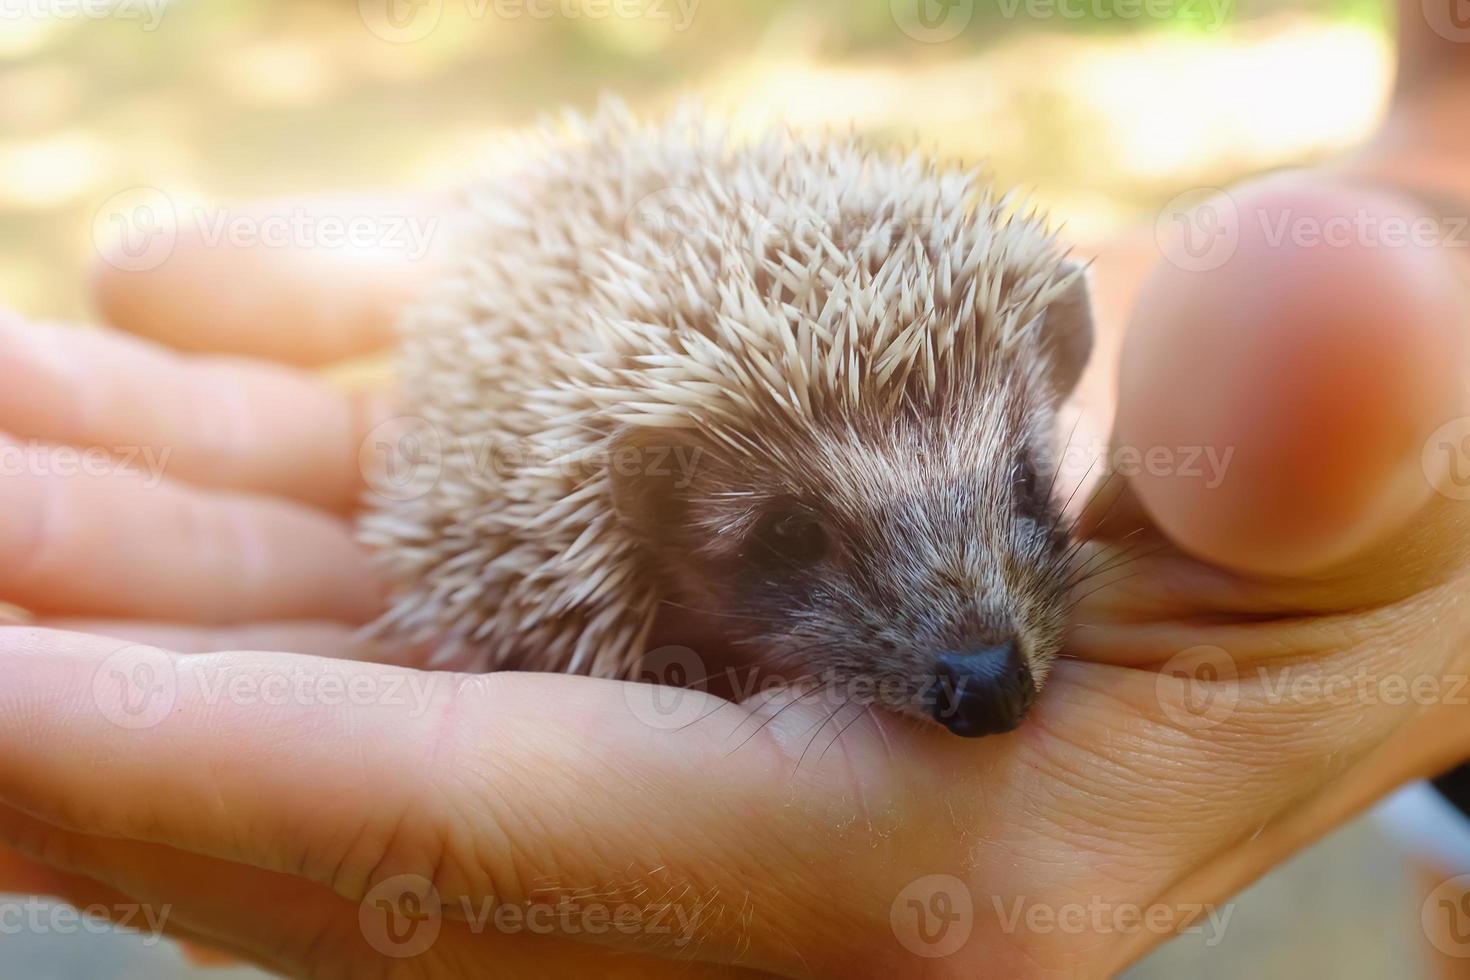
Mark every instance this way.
x=1230 y=697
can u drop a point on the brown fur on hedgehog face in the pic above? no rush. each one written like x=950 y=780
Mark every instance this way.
x=910 y=545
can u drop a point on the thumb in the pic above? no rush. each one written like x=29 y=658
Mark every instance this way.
x=1316 y=357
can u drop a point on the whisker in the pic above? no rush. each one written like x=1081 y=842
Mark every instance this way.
x=882 y=732
x=1114 y=553
x=723 y=703
x=1062 y=457
x=1072 y=496
x=1078 y=545
x=712 y=612
x=762 y=726
x=1108 y=512
x=1106 y=585
x=1102 y=557
x=825 y=722
x=842 y=731
x=1122 y=563
x=708 y=714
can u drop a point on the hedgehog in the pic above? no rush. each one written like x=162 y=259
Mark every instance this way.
x=789 y=398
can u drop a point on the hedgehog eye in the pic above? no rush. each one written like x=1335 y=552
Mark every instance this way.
x=793 y=536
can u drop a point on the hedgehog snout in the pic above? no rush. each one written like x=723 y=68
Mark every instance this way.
x=984 y=691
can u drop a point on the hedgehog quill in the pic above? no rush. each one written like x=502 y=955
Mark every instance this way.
x=790 y=392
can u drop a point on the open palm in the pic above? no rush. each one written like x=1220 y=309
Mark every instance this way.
x=326 y=812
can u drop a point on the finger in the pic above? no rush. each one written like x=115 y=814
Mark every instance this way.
x=302 y=298
x=35 y=879
x=82 y=542
x=317 y=639
x=214 y=422
x=260 y=915
x=21 y=875
x=300 y=929
x=1311 y=374
x=204 y=955
x=522 y=753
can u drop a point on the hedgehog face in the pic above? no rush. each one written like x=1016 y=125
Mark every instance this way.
x=914 y=563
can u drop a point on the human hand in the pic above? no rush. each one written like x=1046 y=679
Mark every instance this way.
x=286 y=832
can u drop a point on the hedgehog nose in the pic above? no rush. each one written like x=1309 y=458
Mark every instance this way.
x=982 y=692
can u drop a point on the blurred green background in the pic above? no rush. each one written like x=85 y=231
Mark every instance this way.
x=1102 y=116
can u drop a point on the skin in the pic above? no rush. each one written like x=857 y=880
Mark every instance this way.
x=262 y=826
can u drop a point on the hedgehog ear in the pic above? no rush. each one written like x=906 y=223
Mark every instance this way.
x=1066 y=330
x=648 y=467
